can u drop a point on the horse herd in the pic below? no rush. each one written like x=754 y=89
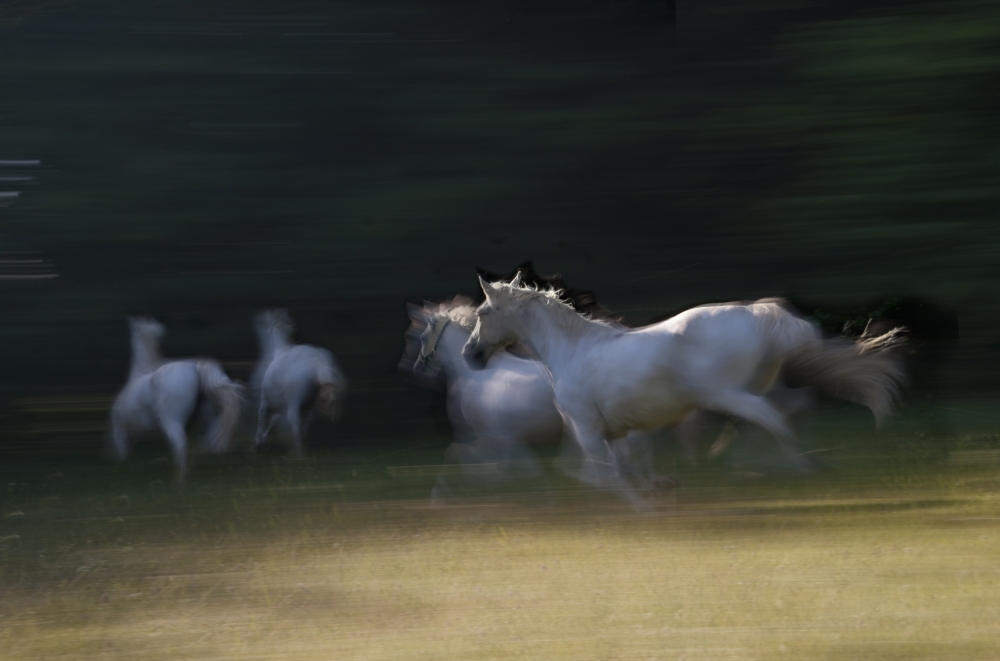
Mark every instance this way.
x=291 y=380
x=526 y=367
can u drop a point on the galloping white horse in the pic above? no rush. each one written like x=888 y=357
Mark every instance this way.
x=609 y=380
x=166 y=396
x=500 y=411
x=292 y=379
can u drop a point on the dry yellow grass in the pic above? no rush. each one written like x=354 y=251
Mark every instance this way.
x=300 y=571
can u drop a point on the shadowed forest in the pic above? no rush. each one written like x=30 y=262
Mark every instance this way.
x=198 y=162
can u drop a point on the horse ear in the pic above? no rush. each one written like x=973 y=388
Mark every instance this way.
x=487 y=287
x=516 y=282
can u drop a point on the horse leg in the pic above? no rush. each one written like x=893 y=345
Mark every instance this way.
x=641 y=460
x=760 y=411
x=265 y=420
x=514 y=459
x=120 y=439
x=597 y=471
x=448 y=484
x=522 y=458
x=178 y=444
x=294 y=415
x=688 y=431
x=621 y=459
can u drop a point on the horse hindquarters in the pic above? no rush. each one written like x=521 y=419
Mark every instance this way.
x=226 y=397
x=174 y=390
x=599 y=462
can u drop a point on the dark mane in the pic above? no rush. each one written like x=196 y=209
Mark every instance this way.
x=583 y=301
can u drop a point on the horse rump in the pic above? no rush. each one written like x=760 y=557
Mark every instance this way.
x=227 y=398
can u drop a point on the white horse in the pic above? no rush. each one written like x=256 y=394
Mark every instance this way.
x=609 y=380
x=166 y=395
x=293 y=380
x=498 y=412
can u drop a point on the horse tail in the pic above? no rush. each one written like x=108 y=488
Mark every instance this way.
x=332 y=385
x=866 y=371
x=226 y=396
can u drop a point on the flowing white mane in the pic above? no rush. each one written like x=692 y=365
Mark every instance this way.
x=459 y=310
x=514 y=295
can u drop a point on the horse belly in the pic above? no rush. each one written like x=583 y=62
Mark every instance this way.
x=650 y=404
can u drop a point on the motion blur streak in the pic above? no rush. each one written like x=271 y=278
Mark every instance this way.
x=200 y=162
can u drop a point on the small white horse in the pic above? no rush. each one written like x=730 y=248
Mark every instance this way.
x=609 y=380
x=498 y=412
x=293 y=380
x=166 y=395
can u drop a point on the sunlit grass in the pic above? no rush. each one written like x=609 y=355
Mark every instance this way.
x=334 y=558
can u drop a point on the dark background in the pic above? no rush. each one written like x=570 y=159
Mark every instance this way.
x=198 y=161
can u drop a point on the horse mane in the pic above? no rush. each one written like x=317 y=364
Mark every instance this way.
x=459 y=309
x=581 y=300
x=515 y=295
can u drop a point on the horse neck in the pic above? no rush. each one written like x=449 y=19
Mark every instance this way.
x=145 y=356
x=552 y=333
x=273 y=342
x=449 y=351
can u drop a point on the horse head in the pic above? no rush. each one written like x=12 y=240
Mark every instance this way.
x=146 y=335
x=412 y=364
x=427 y=326
x=275 y=321
x=146 y=328
x=494 y=328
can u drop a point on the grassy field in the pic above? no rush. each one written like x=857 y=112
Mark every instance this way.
x=340 y=557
